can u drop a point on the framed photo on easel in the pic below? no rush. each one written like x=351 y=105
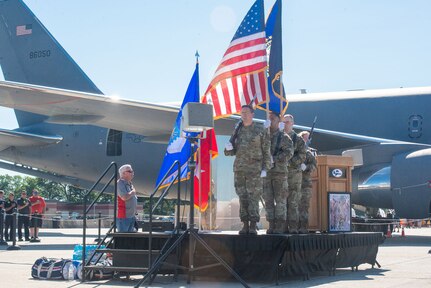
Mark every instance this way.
x=339 y=212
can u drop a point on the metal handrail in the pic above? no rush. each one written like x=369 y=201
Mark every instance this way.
x=162 y=196
x=114 y=178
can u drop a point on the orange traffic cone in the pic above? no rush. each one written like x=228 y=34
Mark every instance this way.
x=402 y=232
x=389 y=233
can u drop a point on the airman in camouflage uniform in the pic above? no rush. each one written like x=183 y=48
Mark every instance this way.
x=310 y=164
x=251 y=146
x=294 y=175
x=275 y=185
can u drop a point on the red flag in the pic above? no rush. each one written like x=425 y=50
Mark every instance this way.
x=202 y=183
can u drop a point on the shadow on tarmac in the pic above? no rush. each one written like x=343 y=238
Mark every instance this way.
x=415 y=240
x=341 y=275
x=42 y=247
x=295 y=281
x=59 y=234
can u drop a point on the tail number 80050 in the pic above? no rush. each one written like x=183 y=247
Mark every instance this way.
x=40 y=54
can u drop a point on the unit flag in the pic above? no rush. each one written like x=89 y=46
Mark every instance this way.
x=179 y=147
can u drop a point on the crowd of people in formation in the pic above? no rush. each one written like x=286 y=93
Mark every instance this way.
x=275 y=162
x=24 y=214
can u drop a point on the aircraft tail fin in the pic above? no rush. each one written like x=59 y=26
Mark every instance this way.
x=30 y=54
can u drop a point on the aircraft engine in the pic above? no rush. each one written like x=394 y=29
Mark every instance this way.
x=403 y=184
x=411 y=184
x=373 y=187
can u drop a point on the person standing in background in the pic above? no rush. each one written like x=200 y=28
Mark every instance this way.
x=37 y=210
x=23 y=216
x=9 y=207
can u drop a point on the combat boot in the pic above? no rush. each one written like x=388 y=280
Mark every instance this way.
x=293 y=227
x=286 y=227
x=279 y=226
x=253 y=229
x=271 y=227
x=245 y=228
x=303 y=228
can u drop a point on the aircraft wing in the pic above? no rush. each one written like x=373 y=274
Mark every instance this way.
x=328 y=140
x=9 y=138
x=154 y=121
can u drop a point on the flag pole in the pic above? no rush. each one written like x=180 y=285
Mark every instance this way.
x=199 y=156
x=210 y=192
x=267 y=75
x=281 y=92
x=200 y=181
x=210 y=201
x=267 y=99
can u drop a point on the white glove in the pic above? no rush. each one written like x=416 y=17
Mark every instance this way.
x=281 y=126
x=263 y=174
x=228 y=146
x=303 y=166
x=267 y=123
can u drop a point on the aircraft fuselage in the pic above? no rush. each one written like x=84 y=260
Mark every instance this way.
x=403 y=117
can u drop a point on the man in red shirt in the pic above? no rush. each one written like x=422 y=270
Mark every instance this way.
x=37 y=209
x=127 y=200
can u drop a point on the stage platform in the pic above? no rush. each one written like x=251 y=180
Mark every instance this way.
x=266 y=258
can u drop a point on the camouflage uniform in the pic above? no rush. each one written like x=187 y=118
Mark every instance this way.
x=275 y=186
x=252 y=150
x=295 y=181
x=311 y=164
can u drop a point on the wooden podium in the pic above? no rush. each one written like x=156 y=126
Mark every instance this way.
x=334 y=174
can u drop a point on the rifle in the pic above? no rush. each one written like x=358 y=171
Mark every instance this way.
x=238 y=126
x=310 y=137
x=233 y=137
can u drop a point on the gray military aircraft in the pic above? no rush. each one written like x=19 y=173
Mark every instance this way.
x=393 y=160
x=68 y=131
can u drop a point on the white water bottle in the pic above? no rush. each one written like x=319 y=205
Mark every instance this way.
x=71 y=272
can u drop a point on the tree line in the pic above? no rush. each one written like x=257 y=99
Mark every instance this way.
x=68 y=193
x=47 y=189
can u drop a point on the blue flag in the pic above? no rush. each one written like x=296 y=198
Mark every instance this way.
x=179 y=146
x=277 y=96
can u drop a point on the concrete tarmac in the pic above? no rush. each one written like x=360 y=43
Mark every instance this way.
x=405 y=262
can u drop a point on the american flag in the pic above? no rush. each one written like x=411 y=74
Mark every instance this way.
x=242 y=72
x=24 y=30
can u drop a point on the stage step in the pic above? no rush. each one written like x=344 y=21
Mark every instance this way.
x=130 y=252
x=127 y=251
x=117 y=268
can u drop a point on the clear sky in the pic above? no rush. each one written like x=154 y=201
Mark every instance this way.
x=144 y=50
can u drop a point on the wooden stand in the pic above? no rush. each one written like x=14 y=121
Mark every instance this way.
x=333 y=175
